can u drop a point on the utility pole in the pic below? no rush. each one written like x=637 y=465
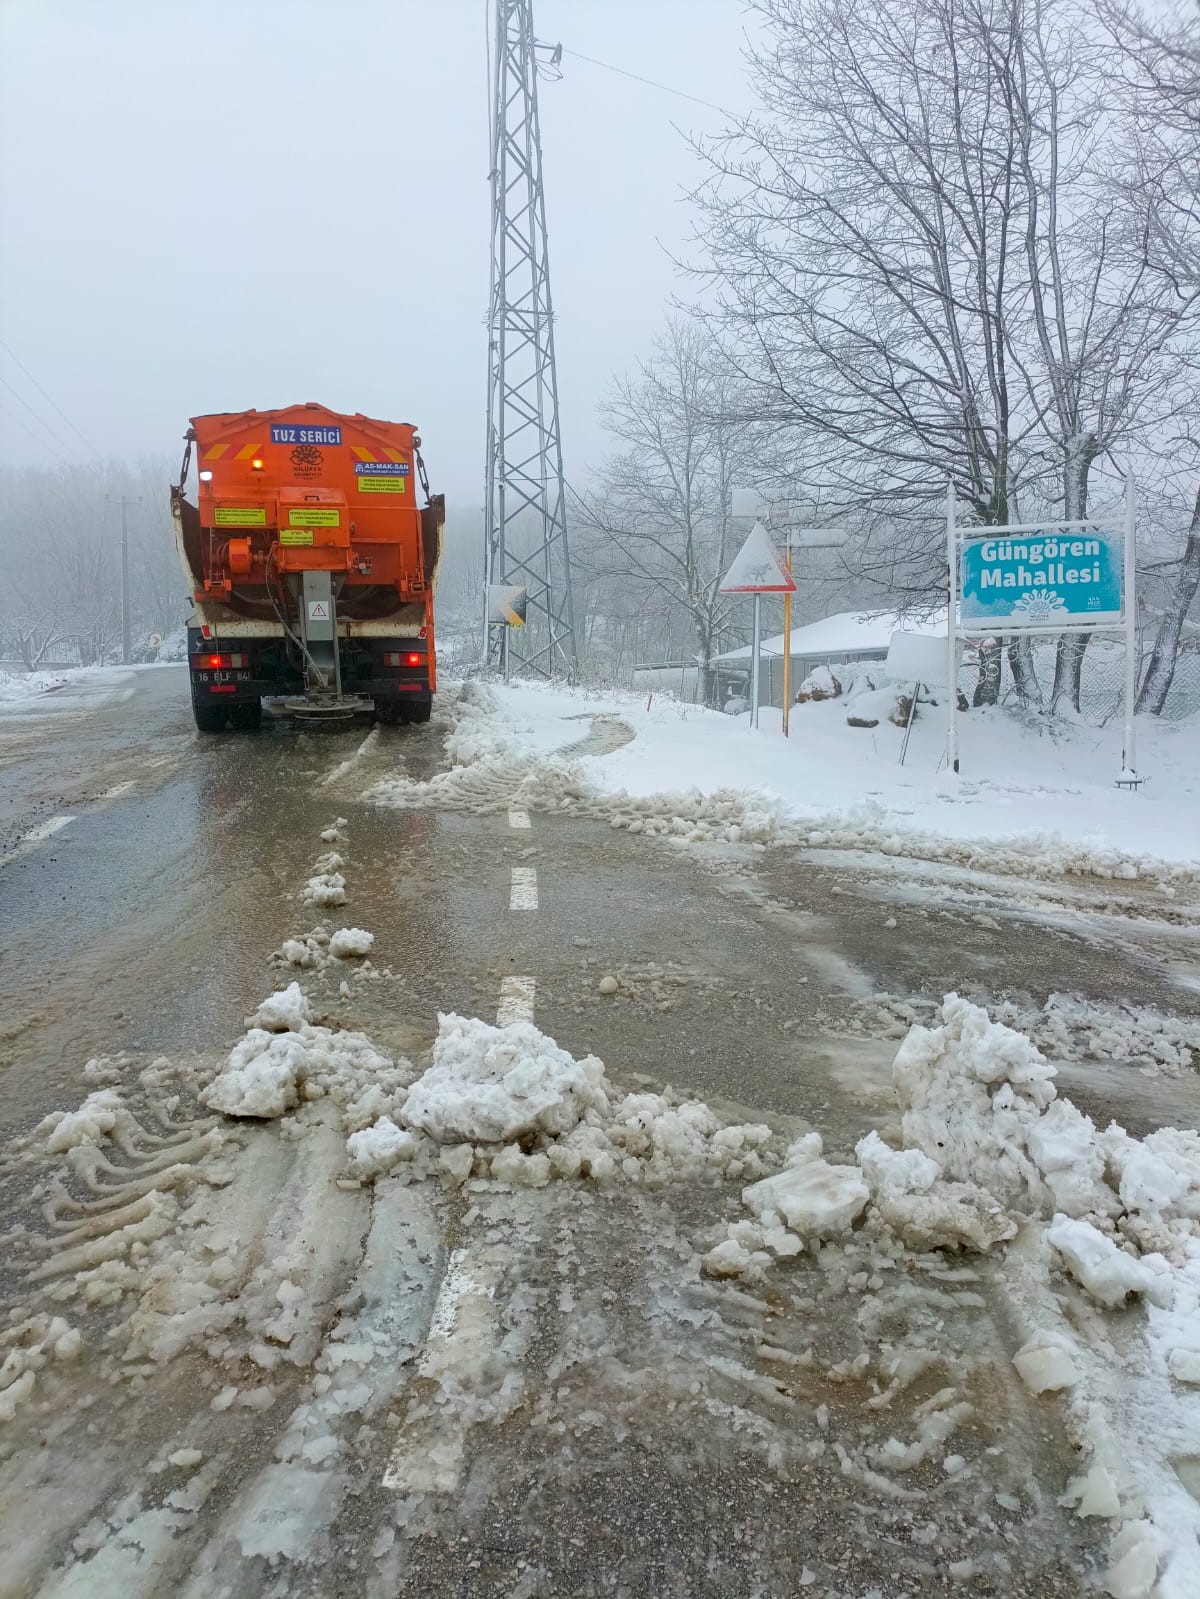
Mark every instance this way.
x=126 y=640
x=525 y=532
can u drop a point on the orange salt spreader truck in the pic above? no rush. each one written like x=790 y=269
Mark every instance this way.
x=311 y=567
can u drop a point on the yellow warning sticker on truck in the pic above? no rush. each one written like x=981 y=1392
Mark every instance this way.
x=295 y=536
x=240 y=516
x=313 y=516
x=380 y=485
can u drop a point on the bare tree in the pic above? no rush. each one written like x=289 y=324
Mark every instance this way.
x=865 y=232
x=1102 y=350
x=922 y=262
x=60 y=552
x=30 y=630
x=1160 y=56
x=1159 y=673
x=663 y=521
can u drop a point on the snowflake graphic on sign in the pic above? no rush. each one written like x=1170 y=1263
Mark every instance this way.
x=1047 y=606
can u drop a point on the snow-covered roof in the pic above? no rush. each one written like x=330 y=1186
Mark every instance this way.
x=846 y=634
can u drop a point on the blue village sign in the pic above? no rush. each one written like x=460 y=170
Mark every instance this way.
x=1029 y=580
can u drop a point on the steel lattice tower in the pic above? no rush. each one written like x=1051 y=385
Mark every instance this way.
x=526 y=514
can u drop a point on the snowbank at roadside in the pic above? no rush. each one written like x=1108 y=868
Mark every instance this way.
x=993 y=1156
x=36 y=692
x=23 y=685
x=1026 y=799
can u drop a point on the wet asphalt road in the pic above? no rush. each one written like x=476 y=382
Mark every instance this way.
x=768 y=982
x=145 y=922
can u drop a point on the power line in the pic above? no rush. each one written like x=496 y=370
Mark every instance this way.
x=50 y=432
x=41 y=442
x=48 y=398
x=650 y=82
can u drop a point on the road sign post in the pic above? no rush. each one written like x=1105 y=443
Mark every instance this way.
x=758 y=570
x=1043 y=579
x=805 y=538
x=787 y=646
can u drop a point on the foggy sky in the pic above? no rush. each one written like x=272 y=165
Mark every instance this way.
x=217 y=206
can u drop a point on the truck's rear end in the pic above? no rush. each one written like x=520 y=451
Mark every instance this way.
x=311 y=566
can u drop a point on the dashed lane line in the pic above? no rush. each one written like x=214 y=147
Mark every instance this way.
x=38 y=835
x=117 y=790
x=519 y=819
x=517 y=995
x=524 y=893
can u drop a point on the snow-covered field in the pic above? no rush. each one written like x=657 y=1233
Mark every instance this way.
x=1025 y=800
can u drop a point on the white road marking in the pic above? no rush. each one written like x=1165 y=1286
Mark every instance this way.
x=519 y=819
x=524 y=895
x=35 y=836
x=517 y=995
x=117 y=790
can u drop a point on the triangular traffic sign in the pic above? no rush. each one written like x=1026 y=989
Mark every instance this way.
x=757 y=568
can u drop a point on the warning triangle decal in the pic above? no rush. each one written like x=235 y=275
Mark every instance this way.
x=758 y=569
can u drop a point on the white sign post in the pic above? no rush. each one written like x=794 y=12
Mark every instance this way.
x=1042 y=579
x=758 y=570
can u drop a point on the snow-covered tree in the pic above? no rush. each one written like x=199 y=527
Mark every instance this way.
x=925 y=268
x=1159 y=61
x=662 y=523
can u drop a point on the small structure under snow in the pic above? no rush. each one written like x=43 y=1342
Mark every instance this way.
x=850 y=636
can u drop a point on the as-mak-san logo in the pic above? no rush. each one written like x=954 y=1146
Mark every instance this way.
x=1038 y=580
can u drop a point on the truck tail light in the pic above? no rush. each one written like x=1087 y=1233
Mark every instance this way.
x=215 y=663
x=403 y=658
x=222 y=688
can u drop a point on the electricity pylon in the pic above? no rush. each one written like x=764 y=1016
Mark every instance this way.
x=526 y=512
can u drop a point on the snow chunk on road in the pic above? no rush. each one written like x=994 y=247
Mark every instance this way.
x=285 y=1011
x=262 y=1076
x=1184 y=1365
x=492 y=1085
x=1135 y=1556
x=349 y=941
x=376 y=1149
x=924 y=1211
x=979 y=1099
x=324 y=889
x=268 y=1074
x=507 y=1103
x=91 y=1123
x=809 y=1196
x=25 y=1350
x=1107 y=1272
x=731 y=1259
x=970 y=1090
x=1045 y=1364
